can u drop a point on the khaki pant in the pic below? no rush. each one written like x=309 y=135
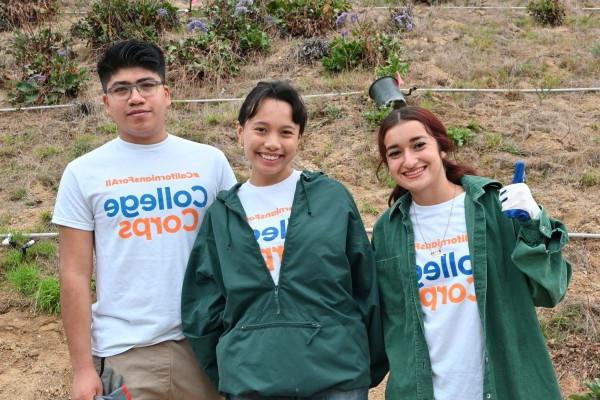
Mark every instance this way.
x=165 y=371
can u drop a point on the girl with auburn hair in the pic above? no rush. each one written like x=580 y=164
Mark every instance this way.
x=462 y=262
x=280 y=298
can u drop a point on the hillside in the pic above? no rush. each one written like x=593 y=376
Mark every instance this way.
x=556 y=134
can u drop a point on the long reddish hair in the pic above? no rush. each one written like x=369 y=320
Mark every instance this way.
x=435 y=127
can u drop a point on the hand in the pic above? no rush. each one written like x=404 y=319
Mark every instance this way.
x=517 y=201
x=86 y=384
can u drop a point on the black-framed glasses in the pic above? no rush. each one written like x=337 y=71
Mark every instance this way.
x=145 y=89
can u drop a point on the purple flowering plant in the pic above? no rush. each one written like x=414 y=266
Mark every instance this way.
x=196 y=24
x=402 y=18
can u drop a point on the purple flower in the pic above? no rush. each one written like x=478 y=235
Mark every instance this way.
x=161 y=12
x=62 y=53
x=341 y=19
x=196 y=24
x=240 y=10
x=344 y=33
x=403 y=19
x=37 y=78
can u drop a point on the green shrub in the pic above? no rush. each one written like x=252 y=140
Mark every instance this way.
x=242 y=23
x=460 y=135
x=202 y=57
x=112 y=20
x=344 y=54
x=24 y=278
x=19 y=13
x=547 y=12
x=48 y=73
x=306 y=18
x=593 y=394
x=362 y=48
x=47 y=297
x=392 y=65
x=374 y=117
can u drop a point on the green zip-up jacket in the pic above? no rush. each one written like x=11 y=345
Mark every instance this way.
x=515 y=268
x=318 y=329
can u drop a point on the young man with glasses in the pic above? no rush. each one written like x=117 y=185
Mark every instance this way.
x=137 y=203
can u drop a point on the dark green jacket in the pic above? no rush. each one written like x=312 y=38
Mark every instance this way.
x=318 y=329
x=515 y=267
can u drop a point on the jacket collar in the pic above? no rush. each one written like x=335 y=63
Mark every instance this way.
x=231 y=200
x=474 y=186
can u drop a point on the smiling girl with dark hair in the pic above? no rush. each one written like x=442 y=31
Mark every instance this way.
x=280 y=296
x=458 y=279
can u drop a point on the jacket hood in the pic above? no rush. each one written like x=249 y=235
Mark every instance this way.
x=230 y=199
x=474 y=186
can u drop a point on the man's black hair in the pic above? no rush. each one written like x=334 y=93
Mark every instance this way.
x=130 y=54
x=277 y=90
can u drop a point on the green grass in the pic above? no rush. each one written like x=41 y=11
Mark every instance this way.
x=333 y=112
x=108 y=128
x=18 y=194
x=46 y=218
x=368 y=208
x=45 y=152
x=590 y=177
x=43 y=248
x=11 y=259
x=212 y=119
x=81 y=145
x=47 y=297
x=24 y=278
x=595 y=50
x=568 y=320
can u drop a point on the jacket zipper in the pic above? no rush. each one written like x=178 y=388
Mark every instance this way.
x=276 y=291
x=257 y=247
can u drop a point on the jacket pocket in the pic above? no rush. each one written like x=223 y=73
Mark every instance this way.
x=392 y=283
x=257 y=357
x=315 y=326
x=290 y=358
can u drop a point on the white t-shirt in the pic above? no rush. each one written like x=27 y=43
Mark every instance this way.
x=268 y=210
x=451 y=319
x=144 y=204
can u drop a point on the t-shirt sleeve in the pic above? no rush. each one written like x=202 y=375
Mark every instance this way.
x=71 y=208
x=227 y=176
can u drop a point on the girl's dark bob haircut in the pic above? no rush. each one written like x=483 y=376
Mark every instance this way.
x=277 y=90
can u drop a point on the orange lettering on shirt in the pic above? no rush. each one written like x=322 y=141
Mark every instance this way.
x=268 y=256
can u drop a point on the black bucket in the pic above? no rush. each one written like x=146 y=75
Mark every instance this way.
x=385 y=91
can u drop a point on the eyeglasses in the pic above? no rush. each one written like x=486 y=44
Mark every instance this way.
x=144 y=88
